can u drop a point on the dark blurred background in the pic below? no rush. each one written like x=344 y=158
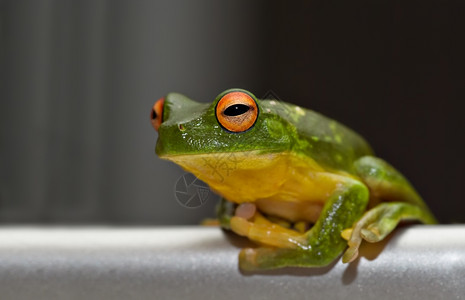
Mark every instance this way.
x=79 y=79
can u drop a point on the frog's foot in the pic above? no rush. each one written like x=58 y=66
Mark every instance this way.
x=281 y=243
x=268 y=234
x=250 y=223
x=377 y=223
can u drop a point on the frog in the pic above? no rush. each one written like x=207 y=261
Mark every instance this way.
x=304 y=188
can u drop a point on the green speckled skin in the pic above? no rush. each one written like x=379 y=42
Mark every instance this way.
x=368 y=203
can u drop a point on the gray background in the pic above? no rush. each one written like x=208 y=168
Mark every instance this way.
x=79 y=79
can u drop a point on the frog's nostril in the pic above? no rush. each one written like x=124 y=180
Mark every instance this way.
x=156 y=115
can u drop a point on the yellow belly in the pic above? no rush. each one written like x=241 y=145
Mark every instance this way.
x=286 y=185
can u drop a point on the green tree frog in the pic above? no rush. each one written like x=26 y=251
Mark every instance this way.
x=302 y=186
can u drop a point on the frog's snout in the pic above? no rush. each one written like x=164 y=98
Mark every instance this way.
x=156 y=115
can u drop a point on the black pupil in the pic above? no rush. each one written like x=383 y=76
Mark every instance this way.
x=236 y=109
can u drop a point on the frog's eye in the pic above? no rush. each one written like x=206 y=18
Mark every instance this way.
x=237 y=111
x=156 y=116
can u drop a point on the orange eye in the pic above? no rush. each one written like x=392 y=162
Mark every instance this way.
x=237 y=111
x=156 y=115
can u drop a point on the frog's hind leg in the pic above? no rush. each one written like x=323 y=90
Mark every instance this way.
x=386 y=183
x=319 y=246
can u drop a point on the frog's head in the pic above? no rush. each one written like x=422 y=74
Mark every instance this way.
x=236 y=131
x=234 y=122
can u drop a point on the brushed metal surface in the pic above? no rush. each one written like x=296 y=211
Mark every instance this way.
x=418 y=262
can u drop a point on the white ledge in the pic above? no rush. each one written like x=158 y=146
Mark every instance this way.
x=418 y=262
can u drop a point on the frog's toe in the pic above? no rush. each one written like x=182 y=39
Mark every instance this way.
x=350 y=255
x=346 y=233
x=265 y=258
x=240 y=226
x=371 y=235
x=354 y=239
x=248 y=259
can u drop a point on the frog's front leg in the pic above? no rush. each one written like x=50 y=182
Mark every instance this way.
x=386 y=183
x=317 y=247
